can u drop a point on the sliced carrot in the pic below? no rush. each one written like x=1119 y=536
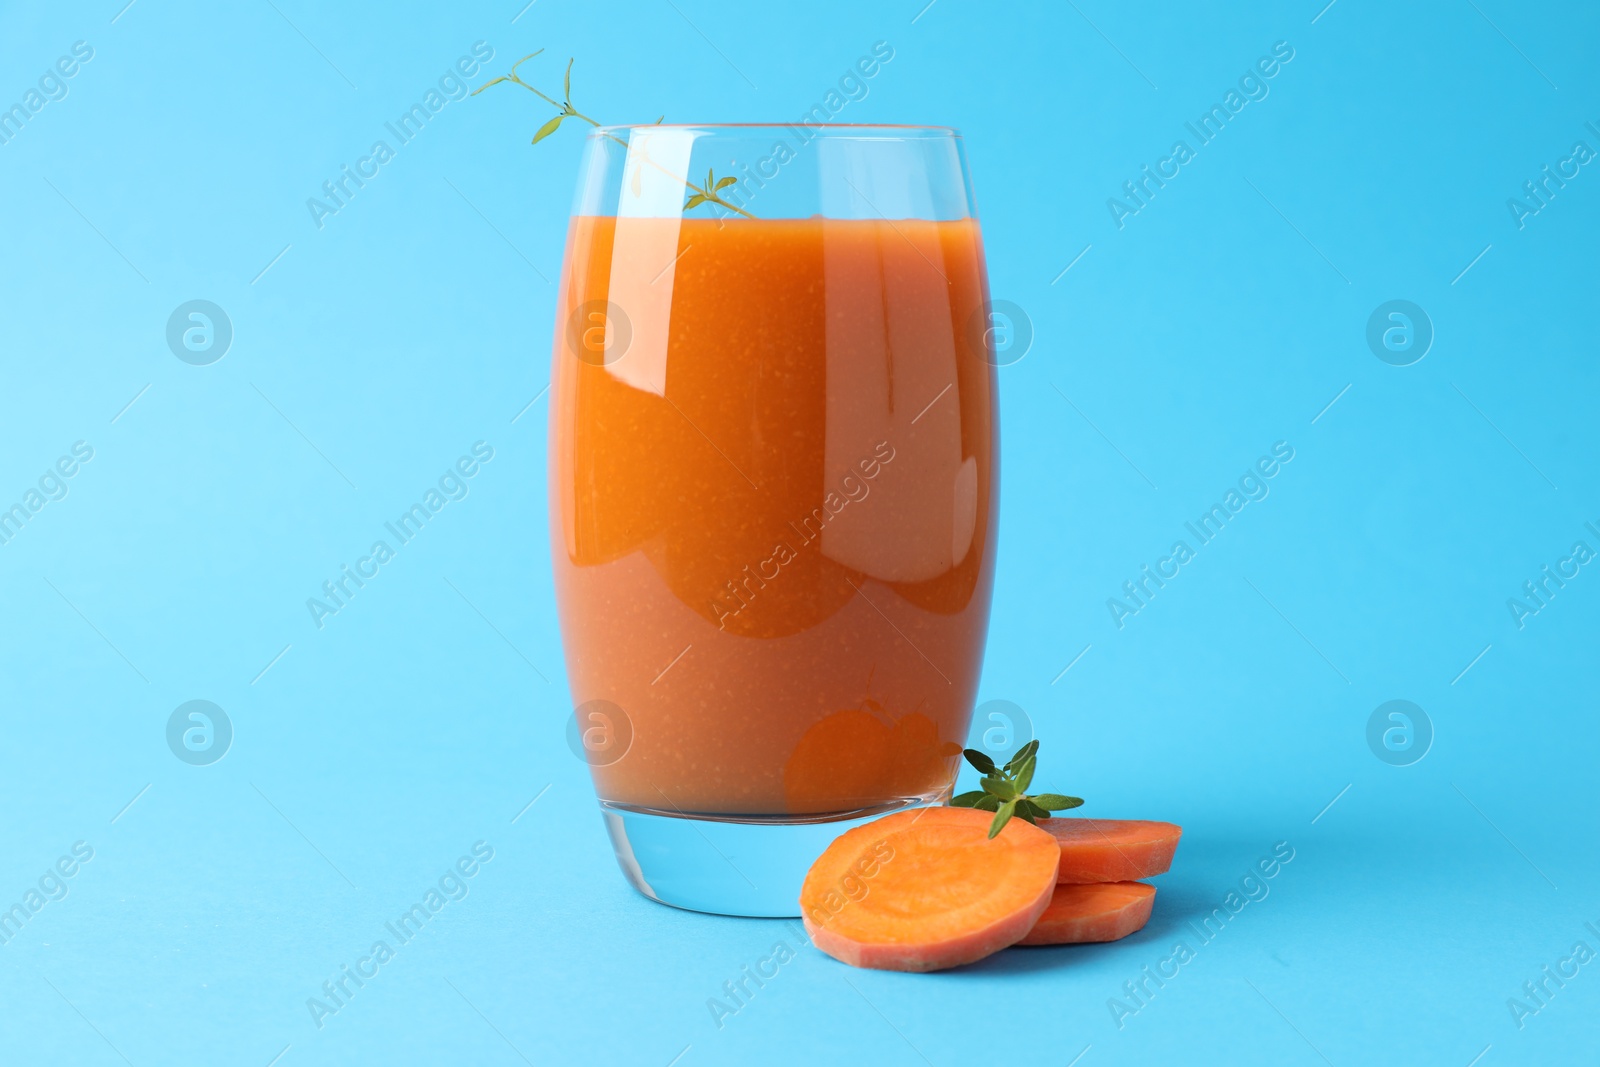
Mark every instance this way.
x=927 y=889
x=1112 y=850
x=1104 y=911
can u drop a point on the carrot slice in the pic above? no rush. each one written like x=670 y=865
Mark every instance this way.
x=1104 y=911
x=928 y=889
x=1112 y=850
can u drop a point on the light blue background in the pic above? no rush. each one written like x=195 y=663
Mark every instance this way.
x=1222 y=318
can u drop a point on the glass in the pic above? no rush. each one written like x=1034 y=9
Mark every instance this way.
x=773 y=465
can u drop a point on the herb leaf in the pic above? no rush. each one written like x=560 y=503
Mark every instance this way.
x=1029 y=809
x=1002 y=817
x=547 y=129
x=1022 y=754
x=967 y=800
x=988 y=803
x=1000 y=787
x=1024 y=773
x=1056 y=802
x=980 y=760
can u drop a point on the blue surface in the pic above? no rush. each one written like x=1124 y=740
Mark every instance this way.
x=369 y=353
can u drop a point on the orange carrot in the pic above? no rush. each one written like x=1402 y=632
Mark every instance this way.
x=1112 y=850
x=927 y=889
x=1101 y=912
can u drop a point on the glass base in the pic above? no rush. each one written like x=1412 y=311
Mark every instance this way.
x=725 y=864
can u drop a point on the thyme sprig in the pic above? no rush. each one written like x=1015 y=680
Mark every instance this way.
x=1005 y=789
x=709 y=194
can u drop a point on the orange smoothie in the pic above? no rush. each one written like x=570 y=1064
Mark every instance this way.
x=772 y=479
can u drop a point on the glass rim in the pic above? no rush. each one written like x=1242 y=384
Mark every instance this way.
x=814 y=127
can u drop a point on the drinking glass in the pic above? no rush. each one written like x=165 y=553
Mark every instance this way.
x=773 y=466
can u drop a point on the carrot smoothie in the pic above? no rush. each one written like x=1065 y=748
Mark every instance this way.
x=772 y=501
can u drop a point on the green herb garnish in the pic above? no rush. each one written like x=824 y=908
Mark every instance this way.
x=565 y=105
x=1005 y=789
x=708 y=195
x=565 y=110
